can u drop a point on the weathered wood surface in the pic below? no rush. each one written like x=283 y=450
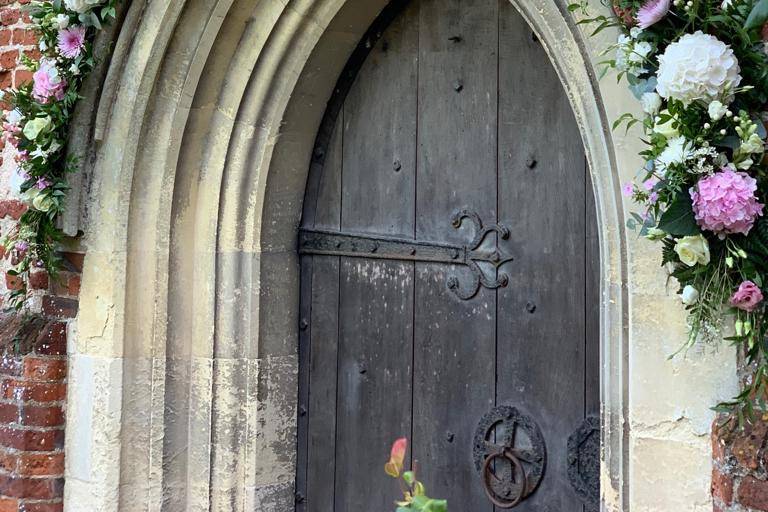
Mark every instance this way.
x=456 y=107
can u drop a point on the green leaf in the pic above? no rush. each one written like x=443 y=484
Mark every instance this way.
x=409 y=478
x=678 y=219
x=758 y=16
x=436 y=506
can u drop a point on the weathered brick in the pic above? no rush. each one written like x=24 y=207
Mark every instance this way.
x=44 y=368
x=41 y=464
x=59 y=307
x=9 y=16
x=31 y=488
x=31 y=440
x=21 y=390
x=8 y=58
x=753 y=493
x=722 y=486
x=13 y=282
x=38 y=280
x=12 y=208
x=52 y=339
x=42 y=506
x=41 y=416
x=9 y=505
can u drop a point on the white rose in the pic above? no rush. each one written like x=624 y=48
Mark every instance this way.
x=651 y=103
x=655 y=234
x=698 y=67
x=693 y=250
x=745 y=164
x=666 y=129
x=717 y=110
x=81 y=6
x=61 y=21
x=690 y=295
x=36 y=126
x=678 y=150
x=42 y=202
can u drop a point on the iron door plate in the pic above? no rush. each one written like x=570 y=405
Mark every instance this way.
x=505 y=434
x=584 y=462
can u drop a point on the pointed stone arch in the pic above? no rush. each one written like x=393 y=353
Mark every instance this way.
x=189 y=304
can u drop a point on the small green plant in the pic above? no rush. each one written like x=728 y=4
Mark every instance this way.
x=414 y=495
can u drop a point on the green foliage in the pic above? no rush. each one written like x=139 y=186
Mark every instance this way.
x=678 y=219
x=46 y=166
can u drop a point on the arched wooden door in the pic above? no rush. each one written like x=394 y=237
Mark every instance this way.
x=449 y=122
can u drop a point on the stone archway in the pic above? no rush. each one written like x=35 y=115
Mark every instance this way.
x=183 y=374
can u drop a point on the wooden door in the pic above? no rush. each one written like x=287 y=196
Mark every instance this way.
x=448 y=123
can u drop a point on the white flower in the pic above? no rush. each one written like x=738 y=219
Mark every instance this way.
x=752 y=145
x=698 y=67
x=690 y=295
x=655 y=234
x=36 y=126
x=651 y=103
x=666 y=129
x=74 y=69
x=678 y=150
x=14 y=117
x=61 y=21
x=745 y=164
x=640 y=52
x=81 y=6
x=717 y=110
x=693 y=250
x=635 y=32
x=42 y=45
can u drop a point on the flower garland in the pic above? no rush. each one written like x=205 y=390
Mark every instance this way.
x=700 y=70
x=37 y=124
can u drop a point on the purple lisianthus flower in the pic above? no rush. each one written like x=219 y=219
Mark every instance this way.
x=652 y=12
x=747 y=297
x=42 y=184
x=628 y=189
x=21 y=245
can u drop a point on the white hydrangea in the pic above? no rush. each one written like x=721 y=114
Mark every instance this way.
x=81 y=6
x=698 y=67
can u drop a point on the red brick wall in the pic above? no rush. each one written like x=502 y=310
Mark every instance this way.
x=33 y=345
x=740 y=468
x=33 y=387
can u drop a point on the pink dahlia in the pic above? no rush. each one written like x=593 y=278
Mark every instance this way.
x=47 y=82
x=71 y=41
x=747 y=297
x=725 y=202
x=652 y=12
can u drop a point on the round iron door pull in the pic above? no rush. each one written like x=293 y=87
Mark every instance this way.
x=517 y=469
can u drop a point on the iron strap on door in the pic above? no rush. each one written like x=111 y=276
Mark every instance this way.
x=335 y=243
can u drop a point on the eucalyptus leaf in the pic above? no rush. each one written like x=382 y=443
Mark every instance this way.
x=758 y=16
x=678 y=219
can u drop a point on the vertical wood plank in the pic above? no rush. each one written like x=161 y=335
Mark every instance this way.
x=592 y=302
x=454 y=343
x=380 y=135
x=374 y=378
x=321 y=410
x=542 y=190
x=376 y=307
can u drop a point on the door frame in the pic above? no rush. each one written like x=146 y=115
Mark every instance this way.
x=242 y=86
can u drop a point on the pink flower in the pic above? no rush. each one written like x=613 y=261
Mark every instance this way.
x=48 y=83
x=652 y=12
x=747 y=297
x=628 y=189
x=42 y=184
x=725 y=202
x=71 y=41
x=650 y=183
x=653 y=197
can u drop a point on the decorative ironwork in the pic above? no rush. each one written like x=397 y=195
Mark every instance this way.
x=510 y=455
x=584 y=462
x=335 y=243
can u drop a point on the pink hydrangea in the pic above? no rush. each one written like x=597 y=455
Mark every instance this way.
x=48 y=83
x=725 y=202
x=747 y=297
x=652 y=12
x=71 y=41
